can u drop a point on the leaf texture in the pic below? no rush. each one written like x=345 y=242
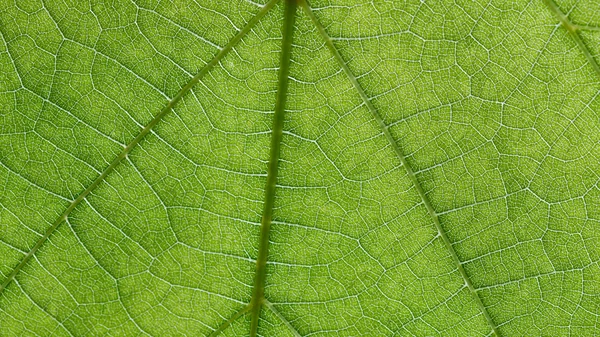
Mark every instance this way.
x=299 y=168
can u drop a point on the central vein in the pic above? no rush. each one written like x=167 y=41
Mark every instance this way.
x=258 y=294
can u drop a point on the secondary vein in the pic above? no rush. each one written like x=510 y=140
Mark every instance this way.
x=403 y=161
x=258 y=293
x=111 y=167
x=228 y=322
x=573 y=30
x=287 y=323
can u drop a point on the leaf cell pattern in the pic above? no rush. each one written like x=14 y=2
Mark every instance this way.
x=296 y=168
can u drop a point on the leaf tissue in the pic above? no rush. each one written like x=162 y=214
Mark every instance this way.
x=299 y=168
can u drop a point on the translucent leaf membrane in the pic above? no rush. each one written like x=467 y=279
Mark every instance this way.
x=166 y=244
x=494 y=105
x=579 y=12
x=438 y=173
x=79 y=81
x=354 y=250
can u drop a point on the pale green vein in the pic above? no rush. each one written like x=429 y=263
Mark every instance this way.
x=585 y=27
x=258 y=293
x=404 y=162
x=283 y=319
x=228 y=322
x=111 y=167
x=573 y=30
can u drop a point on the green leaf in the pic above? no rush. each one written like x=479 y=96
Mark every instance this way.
x=299 y=168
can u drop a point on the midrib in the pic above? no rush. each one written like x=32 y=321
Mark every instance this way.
x=258 y=292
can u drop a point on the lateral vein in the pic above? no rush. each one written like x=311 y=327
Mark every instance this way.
x=404 y=162
x=573 y=30
x=228 y=322
x=283 y=319
x=111 y=167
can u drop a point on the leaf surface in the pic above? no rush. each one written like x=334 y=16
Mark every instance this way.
x=294 y=168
